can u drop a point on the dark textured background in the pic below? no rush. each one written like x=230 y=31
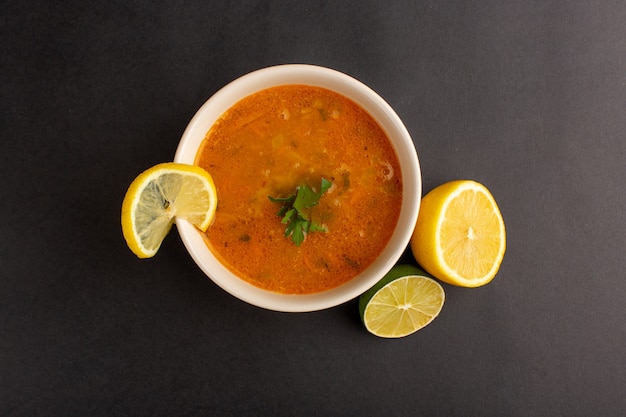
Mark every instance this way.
x=527 y=97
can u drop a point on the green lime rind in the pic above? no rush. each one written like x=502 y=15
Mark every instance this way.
x=398 y=271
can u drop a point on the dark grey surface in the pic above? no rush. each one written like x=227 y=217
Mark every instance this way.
x=527 y=97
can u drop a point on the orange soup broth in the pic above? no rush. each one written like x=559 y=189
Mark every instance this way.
x=269 y=143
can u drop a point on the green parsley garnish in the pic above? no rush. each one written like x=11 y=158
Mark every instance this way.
x=294 y=211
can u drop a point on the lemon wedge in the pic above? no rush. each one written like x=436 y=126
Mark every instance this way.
x=161 y=194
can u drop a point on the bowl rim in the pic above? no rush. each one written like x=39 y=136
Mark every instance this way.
x=385 y=116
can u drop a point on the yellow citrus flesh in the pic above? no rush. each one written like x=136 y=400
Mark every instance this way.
x=460 y=236
x=158 y=196
x=401 y=304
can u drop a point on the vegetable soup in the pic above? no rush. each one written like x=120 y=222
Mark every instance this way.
x=276 y=140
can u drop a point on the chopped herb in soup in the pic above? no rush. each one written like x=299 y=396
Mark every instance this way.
x=277 y=141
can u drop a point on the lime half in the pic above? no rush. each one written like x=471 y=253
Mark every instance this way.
x=404 y=301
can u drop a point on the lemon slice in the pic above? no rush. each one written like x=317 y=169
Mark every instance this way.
x=404 y=301
x=158 y=196
x=460 y=237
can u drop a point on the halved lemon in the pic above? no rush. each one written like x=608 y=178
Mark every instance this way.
x=161 y=194
x=404 y=301
x=460 y=237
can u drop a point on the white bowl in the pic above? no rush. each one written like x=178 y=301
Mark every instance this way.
x=386 y=118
